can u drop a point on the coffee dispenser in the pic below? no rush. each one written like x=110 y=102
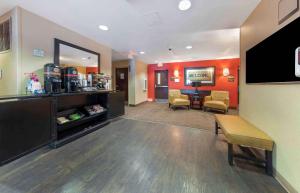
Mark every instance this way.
x=52 y=78
x=71 y=82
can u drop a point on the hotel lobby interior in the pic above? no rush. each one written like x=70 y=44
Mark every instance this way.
x=136 y=96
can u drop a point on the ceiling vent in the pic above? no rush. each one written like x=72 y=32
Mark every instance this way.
x=152 y=19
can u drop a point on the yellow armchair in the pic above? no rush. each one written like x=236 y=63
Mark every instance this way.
x=218 y=100
x=177 y=99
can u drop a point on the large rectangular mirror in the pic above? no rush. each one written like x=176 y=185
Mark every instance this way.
x=84 y=60
x=79 y=65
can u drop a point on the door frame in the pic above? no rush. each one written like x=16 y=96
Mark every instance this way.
x=127 y=80
x=155 y=82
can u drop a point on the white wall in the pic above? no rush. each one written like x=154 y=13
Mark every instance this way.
x=273 y=108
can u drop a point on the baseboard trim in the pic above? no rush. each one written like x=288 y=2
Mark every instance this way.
x=131 y=105
x=284 y=183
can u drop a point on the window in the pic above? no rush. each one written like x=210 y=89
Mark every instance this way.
x=5 y=36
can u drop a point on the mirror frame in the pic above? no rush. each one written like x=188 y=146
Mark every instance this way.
x=58 y=42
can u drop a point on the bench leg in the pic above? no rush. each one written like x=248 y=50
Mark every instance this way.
x=269 y=162
x=217 y=128
x=230 y=154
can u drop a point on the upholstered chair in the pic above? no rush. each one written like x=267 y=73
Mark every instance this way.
x=218 y=100
x=177 y=99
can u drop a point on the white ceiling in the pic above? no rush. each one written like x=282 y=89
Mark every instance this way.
x=152 y=26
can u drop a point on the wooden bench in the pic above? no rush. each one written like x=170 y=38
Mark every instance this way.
x=237 y=131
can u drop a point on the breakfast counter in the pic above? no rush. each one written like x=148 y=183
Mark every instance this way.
x=28 y=122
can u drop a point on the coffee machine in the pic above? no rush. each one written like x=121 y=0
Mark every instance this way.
x=52 y=78
x=70 y=79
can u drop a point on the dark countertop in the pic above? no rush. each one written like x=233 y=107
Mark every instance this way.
x=28 y=96
x=192 y=91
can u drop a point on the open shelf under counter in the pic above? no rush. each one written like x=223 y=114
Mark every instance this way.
x=69 y=103
x=68 y=125
x=76 y=132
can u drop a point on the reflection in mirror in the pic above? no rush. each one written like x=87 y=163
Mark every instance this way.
x=85 y=62
x=75 y=61
x=80 y=68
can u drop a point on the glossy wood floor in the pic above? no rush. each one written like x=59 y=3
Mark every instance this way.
x=130 y=156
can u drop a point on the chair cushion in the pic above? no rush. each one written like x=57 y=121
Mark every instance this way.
x=174 y=93
x=179 y=102
x=216 y=105
x=240 y=132
x=219 y=95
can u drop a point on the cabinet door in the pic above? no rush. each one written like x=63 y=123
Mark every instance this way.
x=116 y=104
x=25 y=125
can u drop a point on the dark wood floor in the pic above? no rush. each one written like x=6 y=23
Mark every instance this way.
x=130 y=156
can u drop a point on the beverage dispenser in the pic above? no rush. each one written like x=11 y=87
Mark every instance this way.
x=52 y=78
x=71 y=81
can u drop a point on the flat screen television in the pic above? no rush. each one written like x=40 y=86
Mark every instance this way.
x=276 y=59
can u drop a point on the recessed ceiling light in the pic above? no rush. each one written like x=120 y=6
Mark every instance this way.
x=103 y=27
x=184 y=5
x=83 y=58
x=142 y=52
x=189 y=47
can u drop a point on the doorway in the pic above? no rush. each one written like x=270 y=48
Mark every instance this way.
x=122 y=81
x=161 y=85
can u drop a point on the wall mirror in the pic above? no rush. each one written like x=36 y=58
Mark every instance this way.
x=69 y=55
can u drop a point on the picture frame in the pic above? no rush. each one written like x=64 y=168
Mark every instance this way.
x=5 y=35
x=287 y=8
x=204 y=74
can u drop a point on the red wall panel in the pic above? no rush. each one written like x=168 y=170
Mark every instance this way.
x=220 y=84
x=92 y=70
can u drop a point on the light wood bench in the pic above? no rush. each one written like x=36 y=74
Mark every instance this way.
x=237 y=131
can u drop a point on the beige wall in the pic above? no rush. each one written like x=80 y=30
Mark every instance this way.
x=273 y=108
x=115 y=65
x=140 y=77
x=37 y=32
x=9 y=83
x=131 y=81
x=136 y=78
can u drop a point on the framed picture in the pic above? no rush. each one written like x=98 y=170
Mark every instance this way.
x=5 y=35
x=204 y=74
x=287 y=8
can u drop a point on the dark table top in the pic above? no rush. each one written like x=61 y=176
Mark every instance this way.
x=29 y=96
x=200 y=92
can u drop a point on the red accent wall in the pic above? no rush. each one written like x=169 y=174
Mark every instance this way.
x=220 y=84
x=91 y=70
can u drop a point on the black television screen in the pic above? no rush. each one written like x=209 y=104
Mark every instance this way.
x=275 y=60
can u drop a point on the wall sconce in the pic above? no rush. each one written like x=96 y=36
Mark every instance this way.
x=160 y=64
x=175 y=78
x=176 y=73
x=226 y=72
